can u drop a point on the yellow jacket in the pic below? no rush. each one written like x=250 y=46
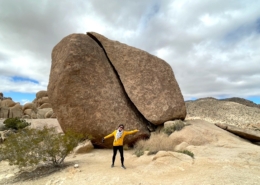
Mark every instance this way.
x=119 y=141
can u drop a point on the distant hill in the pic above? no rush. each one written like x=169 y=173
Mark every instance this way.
x=242 y=101
x=242 y=114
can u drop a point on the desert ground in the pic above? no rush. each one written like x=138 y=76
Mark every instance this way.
x=219 y=158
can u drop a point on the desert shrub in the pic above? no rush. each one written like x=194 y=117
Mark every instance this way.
x=139 y=148
x=29 y=147
x=187 y=152
x=176 y=126
x=15 y=123
x=157 y=142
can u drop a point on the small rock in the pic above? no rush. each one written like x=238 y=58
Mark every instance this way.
x=76 y=166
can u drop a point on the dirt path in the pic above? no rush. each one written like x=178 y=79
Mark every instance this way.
x=222 y=166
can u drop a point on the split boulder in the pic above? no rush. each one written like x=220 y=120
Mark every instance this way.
x=86 y=94
x=148 y=81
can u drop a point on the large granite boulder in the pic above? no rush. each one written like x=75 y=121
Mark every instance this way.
x=86 y=93
x=148 y=81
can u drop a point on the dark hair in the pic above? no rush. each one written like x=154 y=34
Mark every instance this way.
x=121 y=125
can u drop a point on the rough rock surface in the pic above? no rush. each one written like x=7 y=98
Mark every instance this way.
x=86 y=94
x=148 y=81
x=16 y=111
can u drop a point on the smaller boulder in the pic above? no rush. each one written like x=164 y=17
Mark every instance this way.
x=7 y=103
x=49 y=114
x=43 y=100
x=27 y=112
x=41 y=94
x=45 y=105
x=42 y=112
x=29 y=106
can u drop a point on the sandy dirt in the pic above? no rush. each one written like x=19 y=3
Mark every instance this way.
x=227 y=160
x=211 y=165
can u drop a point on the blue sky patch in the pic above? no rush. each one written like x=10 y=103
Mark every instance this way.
x=19 y=79
x=22 y=98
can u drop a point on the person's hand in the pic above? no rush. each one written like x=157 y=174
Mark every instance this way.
x=102 y=140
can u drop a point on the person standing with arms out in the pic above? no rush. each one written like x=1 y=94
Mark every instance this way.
x=119 y=135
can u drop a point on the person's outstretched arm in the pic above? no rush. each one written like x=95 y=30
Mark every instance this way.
x=131 y=132
x=108 y=136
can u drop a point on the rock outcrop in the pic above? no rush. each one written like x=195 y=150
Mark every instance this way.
x=86 y=94
x=10 y=109
x=96 y=83
x=244 y=133
x=32 y=110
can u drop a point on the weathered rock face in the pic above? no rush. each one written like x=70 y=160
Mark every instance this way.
x=16 y=111
x=87 y=95
x=148 y=81
x=10 y=109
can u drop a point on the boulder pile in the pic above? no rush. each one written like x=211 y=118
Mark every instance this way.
x=8 y=108
x=40 y=108
x=96 y=84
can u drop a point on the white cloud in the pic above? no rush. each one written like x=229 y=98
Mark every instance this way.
x=212 y=46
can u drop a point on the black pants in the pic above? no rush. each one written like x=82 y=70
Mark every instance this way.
x=120 y=148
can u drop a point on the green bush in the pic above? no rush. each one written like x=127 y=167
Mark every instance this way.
x=16 y=123
x=29 y=147
x=176 y=126
x=187 y=152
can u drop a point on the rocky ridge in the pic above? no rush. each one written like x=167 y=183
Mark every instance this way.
x=220 y=111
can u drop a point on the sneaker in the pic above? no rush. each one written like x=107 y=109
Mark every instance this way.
x=112 y=165
x=123 y=167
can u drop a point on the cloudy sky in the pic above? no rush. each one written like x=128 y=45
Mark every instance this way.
x=212 y=46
